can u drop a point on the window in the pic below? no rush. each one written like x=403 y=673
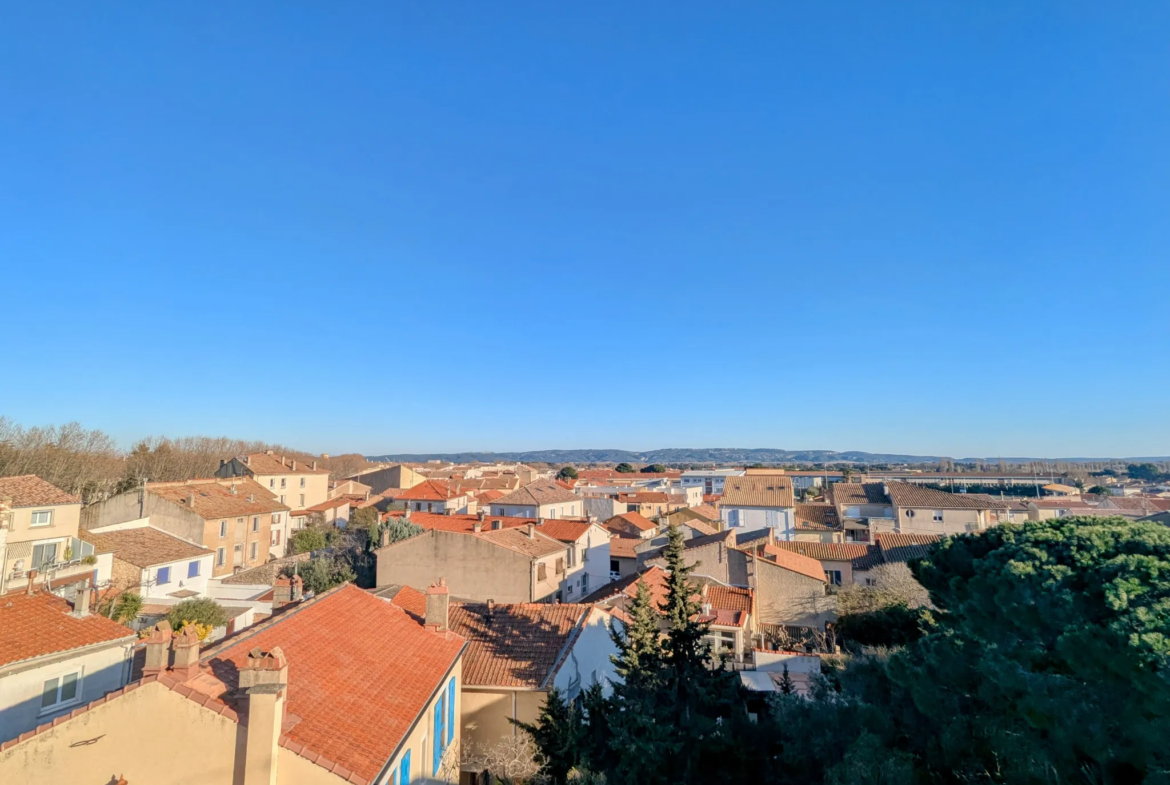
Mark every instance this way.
x=302 y=484
x=437 y=748
x=193 y=569
x=276 y=537
x=451 y=710
x=61 y=690
x=833 y=577
x=282 y=498
x=568 y=588
x=584 y=583
x=560 y=566
x=272 y=483
x=302 y=501
x=552 y=513
x=252 y=550
x=220 y=556
x=163 y=576
x=45 y=553
x=570 y=553
x=256 y=524
x=283 y=483
x=404 y=772
x=938 y=516
x=42 y=518
x=541 y=572
x=222 y=529
x=614 y=566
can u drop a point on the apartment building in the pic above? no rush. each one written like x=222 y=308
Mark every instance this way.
x=38 y=534
x=237 y=519
x=541 y=499
x=153 y=564
x=296 y=483
x=759 y=502
x=868 y=508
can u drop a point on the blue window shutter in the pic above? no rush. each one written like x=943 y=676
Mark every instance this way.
x=404 y=772
x=437 y=746
x=451 y=710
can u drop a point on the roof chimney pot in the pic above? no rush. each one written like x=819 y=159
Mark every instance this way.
x=158 y=649
x=532 y=531
x=438 y=605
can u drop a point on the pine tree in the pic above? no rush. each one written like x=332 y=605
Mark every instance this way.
x=639 y=651
x=787 y=686
x=557 y=733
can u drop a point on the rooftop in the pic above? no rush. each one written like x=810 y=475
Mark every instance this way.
x=267 y=463
x=508 y=645
x=29 y=490
x=542 y=492
x=215 y=498
x=428 y=490
x=143 y=546
x=637 y=520
x=338 y=644
x=42 y=624
x=758 y=491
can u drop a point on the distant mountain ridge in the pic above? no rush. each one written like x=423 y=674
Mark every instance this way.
x=705 y=455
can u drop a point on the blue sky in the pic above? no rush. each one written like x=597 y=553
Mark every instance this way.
x=930 y=227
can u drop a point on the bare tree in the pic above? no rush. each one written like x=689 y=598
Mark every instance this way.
x=513 y=757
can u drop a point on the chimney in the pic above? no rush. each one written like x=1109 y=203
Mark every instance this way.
x=251 y=497
x=281 y=593
x=706 y=609
x=313 y=466
x=157 y=649
x=407 y=515
x=81 y=600
x=294 y=466
x=186 y=648
x=481 y=514
x=704 y=592
x=246 y=460
x=233 y=489
x=222 y=462
x=191 y=501
x=438 y=603
x=491 y=607
x=532 y=531
x=298 y=588
x=32 y=576
x=264 y=682
x=477 y=527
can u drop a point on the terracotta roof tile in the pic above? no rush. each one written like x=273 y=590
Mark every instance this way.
x=638 y=521
x=623 y=547
x=265 y=464
x=44 y=624
x=903 y=547
x=463 y=523
x=214 y=497
x=757 y=491
x=519 y=541
x=429 y=490
x=843 y=493
x=820 y=517
x=827 y=551
x=144 y=546
x=338 y=646
x=29 y=490
x=543 y=492
x=513 y=645
x=563 y=529
x=795 y=562
x=905 y=494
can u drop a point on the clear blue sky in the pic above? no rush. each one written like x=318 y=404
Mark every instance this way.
x=933 y=227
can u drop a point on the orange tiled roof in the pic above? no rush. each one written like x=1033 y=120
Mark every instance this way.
x=562 y=529
x=339 y=646
x=513 y=644
x=795 y=562
x=758 y=491
x=731 y=598
x=637 y=520
x=44 y=624
x=645 y=497
x=707 y=511
x=541 y=492
x=903 y=547
x=463 y=523
x=144 y=546
x=623 y=547
x=29 y=490
x=819 y=517
x=428 y=491
x=265 y=464
x=905 y=494
x=214 y=497
x=827 y=551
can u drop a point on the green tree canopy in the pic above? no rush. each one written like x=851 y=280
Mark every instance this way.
x=307 y=540
x=654 y=468
x=1101 y=490
x=567 y=473
x=202 y=610
x=322 y=573
x=1147 y=472
x=624 y=468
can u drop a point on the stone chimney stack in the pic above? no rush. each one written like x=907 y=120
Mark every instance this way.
x=158 y=647
x=191 y=501
x=186 y=648
x=32 y=577
x=81 y=601
x=313 y=465
x=438 y=605
x=532 y=531
x=281 y=593
x=297 y=583
x=477 y=527
x=264 y=682
x=294 y=465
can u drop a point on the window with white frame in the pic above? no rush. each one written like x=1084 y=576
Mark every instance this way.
x=252 y=551
x=256 y=523
x=42 y=518
x=283 y=482
x=61 y=691
x=302 y=482
x=938 y=516
x=220 y=556
x=272 y=483
x=222 y=529
x=164 y=576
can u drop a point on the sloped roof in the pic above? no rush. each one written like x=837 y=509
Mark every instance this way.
x=214 y=497
x=818 y=516
x=637 y=520
x=563 y=529
x=263 y=463
x=462 y=522
x=29 y=490
x=804 y=565
x=428 y=490
x=535 y=493
x=518 y=540
x=44 y=624
x=144 y=546
x=339 y=644
x=757 y=491
x=903 y=547
x=827 y=551
x=843 y=493
x=510 y=645
x=623 y=547
x=905 y=494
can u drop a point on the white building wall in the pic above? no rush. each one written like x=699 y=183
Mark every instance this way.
x=780 y=520
x=101 y=671
x=151 y=589
x=588 y=660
